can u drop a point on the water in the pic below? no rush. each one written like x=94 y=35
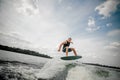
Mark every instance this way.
x=18 y=71
x=56 y=70
x=92 y=73
x=16 y=67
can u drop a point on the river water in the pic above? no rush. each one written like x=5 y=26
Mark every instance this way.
x=51 y=69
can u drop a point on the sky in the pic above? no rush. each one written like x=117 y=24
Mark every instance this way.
x=93 y=25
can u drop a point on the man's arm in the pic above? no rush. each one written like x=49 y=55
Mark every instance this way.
x=61 y=45
x=71 y=42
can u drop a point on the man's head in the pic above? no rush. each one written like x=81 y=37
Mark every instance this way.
x=69 y=39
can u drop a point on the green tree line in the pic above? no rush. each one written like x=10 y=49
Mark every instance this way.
x=23 y=51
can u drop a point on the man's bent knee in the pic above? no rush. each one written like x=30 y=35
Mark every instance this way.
x=72 y=48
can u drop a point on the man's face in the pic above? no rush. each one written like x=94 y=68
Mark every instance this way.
x=69 y=39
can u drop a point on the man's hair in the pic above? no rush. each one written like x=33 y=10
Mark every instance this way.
x=69 y=38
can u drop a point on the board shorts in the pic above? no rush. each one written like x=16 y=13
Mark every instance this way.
x=69 y=50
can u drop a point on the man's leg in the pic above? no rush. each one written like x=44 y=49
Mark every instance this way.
x=74 y=51
x=66 y=51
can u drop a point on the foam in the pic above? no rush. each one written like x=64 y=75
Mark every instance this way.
x=79 y=73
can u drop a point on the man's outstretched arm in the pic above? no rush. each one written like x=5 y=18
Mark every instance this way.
x=60 y=46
